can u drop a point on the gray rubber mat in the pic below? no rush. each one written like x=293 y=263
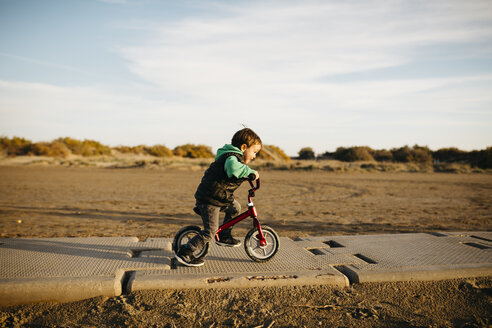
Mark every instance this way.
x=65 y=269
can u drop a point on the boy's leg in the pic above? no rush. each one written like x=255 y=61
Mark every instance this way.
x=231 y=211
x=225 y=236
x=210 y=218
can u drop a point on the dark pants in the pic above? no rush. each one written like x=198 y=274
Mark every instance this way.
x=210 y=218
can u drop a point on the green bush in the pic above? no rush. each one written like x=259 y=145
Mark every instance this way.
x=306 y=153
x=193 y=151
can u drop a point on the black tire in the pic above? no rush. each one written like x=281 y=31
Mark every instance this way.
x=252 y=244
x=186 y=234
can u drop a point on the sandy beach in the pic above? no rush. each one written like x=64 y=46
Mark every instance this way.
x=49 y=201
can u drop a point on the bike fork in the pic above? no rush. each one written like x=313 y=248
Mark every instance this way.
x=260 y=235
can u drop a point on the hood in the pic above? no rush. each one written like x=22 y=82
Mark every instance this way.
x=228 y=149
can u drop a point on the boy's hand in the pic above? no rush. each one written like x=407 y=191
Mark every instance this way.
x=253 y=176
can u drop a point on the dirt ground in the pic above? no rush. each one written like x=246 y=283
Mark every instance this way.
x=38 y=201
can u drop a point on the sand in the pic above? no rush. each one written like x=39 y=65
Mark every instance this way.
x=48 y=201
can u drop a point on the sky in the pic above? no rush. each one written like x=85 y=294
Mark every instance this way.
x=320 y=74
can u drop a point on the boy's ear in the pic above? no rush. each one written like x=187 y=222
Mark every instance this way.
x=244 y=147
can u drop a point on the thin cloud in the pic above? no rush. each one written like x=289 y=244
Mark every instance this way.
x=44 y=63
x=129 y=115
x=274 y=66
x=115 y=2
x=262 y=49
x=269 y=60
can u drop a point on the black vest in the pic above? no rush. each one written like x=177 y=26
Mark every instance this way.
x=216 y=188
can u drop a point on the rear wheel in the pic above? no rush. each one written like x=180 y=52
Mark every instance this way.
x=257 y=252
x=184 y=236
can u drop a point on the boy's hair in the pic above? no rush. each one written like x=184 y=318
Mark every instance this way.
x=245 y=136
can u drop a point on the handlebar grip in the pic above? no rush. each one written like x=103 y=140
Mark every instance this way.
x=257 y=184
x=251 y=177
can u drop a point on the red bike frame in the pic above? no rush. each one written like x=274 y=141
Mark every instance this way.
x=251 y=212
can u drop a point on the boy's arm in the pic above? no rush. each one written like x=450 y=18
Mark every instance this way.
x=237 y=169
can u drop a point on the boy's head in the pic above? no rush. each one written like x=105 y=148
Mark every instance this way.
x=249 y=143
x=246 y=137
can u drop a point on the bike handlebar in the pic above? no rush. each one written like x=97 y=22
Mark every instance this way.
x=253 y=186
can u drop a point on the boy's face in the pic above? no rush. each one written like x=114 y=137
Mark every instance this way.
x=250 y=152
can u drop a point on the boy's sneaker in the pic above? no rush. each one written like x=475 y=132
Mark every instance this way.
x=226 y=239
x=184 y=255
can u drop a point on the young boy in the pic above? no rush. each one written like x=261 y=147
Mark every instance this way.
x=216 y=193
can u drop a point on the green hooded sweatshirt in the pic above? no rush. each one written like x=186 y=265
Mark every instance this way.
x=232 y=166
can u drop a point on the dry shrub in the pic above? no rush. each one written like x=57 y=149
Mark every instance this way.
x=452 y=168
x=156 y=150
x=306 y=153
x=52 y=149
x=354 y=154
x=487 y=158
x=382 y=155
x=482 y=158
x=417 y=154
x=417 y=158
x=272 y=153
x=402 y=154
x=15 y=146
x=421 y=155
x=193 y=151
x=450 y=155
x=137 y=150
x=86 y=147
x=159 y=151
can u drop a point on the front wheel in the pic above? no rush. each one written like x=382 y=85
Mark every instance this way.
x=184 y=236
x=257 y=252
